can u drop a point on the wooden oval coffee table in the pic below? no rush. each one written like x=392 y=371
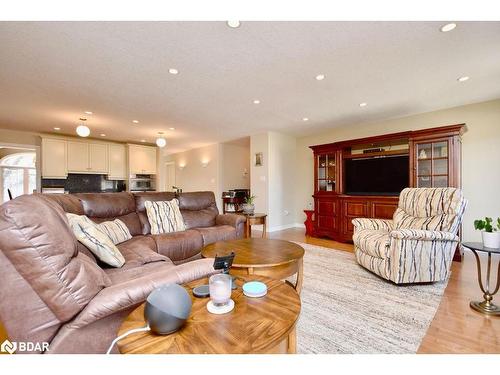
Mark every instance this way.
x=256 y=325
x=261 y=256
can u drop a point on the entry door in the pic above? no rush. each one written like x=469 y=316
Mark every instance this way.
x=170 y=176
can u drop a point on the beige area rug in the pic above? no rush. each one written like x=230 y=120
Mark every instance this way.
x=347 y=309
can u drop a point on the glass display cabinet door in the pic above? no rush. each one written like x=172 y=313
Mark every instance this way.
x=327 y=175
x=432 y=164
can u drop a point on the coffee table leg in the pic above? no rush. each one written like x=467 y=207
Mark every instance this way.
x=292 y=342
x=300 y=276
x=486 y=306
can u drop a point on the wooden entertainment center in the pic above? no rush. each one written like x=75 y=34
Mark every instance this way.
x=434 y=160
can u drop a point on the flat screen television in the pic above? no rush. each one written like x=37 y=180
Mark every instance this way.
x=377 y=175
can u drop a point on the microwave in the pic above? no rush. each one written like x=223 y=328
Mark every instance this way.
x=142 y=182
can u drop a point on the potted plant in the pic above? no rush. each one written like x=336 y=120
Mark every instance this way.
x=490 y=233
x=248 y=207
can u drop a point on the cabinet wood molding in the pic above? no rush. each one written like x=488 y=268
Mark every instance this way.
x=434 y=160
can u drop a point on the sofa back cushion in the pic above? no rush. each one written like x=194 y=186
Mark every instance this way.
x=438 y=209
x=140 y=198
x=102 y=207
x=198 y=209
x=38 y=243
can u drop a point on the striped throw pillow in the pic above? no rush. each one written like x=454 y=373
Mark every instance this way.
x=116 y=230
x=91 y=235
x=164 y=216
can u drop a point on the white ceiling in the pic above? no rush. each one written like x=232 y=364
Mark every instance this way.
x=51 y=72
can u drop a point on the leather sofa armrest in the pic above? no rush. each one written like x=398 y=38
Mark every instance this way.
x=423 y=235
x=374 y=224
x=230 y=219
x=132 y=293
x=234 y=220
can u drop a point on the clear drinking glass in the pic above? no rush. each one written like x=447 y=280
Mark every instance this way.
x=220 y=289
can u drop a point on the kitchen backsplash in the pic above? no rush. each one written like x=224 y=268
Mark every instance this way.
x=85 y=183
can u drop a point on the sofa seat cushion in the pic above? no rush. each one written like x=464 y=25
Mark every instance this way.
x=140 y=250
x=126 y=274
x=179 y=245
x=372 y=242
x=217 y=233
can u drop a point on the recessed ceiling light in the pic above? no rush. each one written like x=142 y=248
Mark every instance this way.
x=363 y=104
x=233 y=24
x=256 y=101
x=172 y=128
x=305 y=119
x=57 y=128
x=143 y=140
x=173 y=71
x=135 y=121
x=448 y=27
x=320 y=77
x=102 y=135
x=463 y=79
x=88 y=112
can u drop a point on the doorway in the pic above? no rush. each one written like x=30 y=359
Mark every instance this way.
x=170 y=176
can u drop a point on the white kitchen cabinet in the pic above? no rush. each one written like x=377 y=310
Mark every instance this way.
x=98 y=158
x=54 y=158
x=86 y=157
x=78 y=157
x=117 y=162
x=142 y=159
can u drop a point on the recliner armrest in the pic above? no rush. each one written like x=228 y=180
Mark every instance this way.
x=374 y=224
x=423 y=235
x=131 y=293
x=233 y=220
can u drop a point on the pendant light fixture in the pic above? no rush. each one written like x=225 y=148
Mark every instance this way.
x=160 y=141
x=82 y=130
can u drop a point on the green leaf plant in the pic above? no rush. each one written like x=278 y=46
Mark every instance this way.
x=487 y=224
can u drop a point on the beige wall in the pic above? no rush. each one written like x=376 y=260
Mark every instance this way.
x=480 y=155
x=192 y=175
x=20 y=138
x=235 y=172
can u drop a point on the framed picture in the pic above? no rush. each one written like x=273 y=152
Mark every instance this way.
x=259 y=159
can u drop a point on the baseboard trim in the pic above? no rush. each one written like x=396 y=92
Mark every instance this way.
x=258 y=228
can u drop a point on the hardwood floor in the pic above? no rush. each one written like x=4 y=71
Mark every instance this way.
x=456 y=328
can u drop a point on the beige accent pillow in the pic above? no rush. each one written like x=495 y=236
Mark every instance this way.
x=164 y=216
x=116 y=230
x=97 y=241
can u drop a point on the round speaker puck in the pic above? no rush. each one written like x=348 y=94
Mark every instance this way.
x=201 y=291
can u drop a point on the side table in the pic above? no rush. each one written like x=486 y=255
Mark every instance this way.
x=255 y=219
x=486 y=306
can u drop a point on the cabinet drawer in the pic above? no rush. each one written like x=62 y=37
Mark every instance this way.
x=327 y=208
x=327 y=222
x=383 y=210
x=359 y=209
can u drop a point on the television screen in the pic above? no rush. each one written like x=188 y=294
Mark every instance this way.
x=376 y=176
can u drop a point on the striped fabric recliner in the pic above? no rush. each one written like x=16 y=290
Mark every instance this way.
x=418 y=244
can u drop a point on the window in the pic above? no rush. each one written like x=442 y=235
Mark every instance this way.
x=17 y=173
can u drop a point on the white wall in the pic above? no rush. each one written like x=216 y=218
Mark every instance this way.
x=274 y=182
x=480 y=155
x=259 y=185
x=282 y=181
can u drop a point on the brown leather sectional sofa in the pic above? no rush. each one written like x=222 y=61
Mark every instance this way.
x=52 y=289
